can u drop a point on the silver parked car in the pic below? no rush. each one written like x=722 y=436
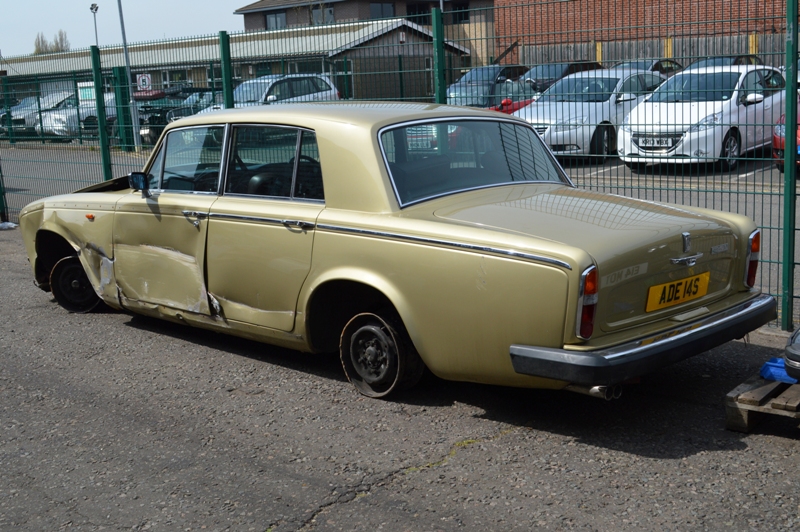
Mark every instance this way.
x=23 y=118
x=581 y=113
x=74 y=116
x=282 y=88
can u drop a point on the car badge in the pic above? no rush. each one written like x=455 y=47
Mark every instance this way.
x=687 y=242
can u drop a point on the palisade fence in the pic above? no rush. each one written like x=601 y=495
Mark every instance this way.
x=80 y=123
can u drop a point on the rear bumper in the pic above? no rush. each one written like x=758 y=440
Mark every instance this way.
x=791 y=356
x=626 y=361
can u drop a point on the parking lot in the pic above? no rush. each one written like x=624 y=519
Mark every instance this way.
x=112 y=422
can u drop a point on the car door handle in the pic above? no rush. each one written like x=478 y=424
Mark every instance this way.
x=298 y=223
x=195 y=214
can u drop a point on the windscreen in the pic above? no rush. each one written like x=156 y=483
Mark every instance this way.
x=581 y=89
x=710 y=87
x=427 y=160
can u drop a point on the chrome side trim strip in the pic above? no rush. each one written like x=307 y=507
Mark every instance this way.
x=448 y=243
x=242 y=218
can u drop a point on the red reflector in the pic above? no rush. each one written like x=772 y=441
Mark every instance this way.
x=752 y=269
x=587 y=321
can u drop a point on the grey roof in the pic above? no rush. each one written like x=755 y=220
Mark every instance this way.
x=271 y=5
x=309 y=41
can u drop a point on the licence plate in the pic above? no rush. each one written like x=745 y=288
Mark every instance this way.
x=659 y=142
x=419 y=144
x=677 y=292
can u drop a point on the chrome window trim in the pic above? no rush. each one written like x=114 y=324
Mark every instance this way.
x=411 y=123
x=448 y=243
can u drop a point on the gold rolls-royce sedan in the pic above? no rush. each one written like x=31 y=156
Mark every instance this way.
x=406 y=236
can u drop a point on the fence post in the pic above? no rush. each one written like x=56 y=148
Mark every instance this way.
x=400 y=72
x=7 y=106
x=3 y=204
x=100 y=102
x=439 y=86
x=789 y=169
x=227 y=71
x=122 y=95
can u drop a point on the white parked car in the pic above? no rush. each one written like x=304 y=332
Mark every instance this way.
x=580 y=114
x=704 y=115
x=282 y=88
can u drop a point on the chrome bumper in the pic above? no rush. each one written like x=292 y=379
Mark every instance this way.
x=625 y=361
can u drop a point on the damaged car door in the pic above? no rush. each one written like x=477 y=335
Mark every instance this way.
x=160 y=234
x=261 y=230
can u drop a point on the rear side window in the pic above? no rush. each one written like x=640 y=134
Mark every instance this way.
x=427 y=160
x=274 y=161
x=320 y=84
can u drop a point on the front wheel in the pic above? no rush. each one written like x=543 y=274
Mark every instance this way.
x=71 y=286
x=377 y=355
x=731 y=151
x=603 y=143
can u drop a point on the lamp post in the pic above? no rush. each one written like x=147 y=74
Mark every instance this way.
x=137 y=141
x=93 y=8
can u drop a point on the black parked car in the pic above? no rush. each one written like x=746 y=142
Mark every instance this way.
x=156 y=113
x=483 y=86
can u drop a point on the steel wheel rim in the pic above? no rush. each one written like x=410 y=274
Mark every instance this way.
x=374 y=355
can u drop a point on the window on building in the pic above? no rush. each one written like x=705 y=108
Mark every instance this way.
x=419 y=14
x=172 y=78
x=276 y=21
x=381 y=10
x=461 y=13
x=322 y=15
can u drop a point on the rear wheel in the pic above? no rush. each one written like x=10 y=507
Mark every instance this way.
x=377 y=354
x=731 y=151
x=71 y=286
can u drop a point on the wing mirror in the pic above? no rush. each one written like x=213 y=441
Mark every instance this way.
x=272 y=98
x=625 y=97
x=139 y=181
x=753 y=97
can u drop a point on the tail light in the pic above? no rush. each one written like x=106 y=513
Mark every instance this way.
x=587 y=303
x=753 y=248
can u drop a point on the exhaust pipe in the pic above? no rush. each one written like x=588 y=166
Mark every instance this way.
x=603 y=392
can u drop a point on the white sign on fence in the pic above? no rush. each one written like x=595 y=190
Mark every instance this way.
x=144 y=82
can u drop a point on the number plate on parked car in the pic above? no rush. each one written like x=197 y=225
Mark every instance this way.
x=676 y=292
x=659 y=142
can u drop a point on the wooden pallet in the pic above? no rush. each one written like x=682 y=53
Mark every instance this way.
x=755 y=397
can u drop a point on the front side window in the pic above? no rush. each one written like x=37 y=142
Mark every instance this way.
x=279 y=91
x=192 y=159
x=427 y=160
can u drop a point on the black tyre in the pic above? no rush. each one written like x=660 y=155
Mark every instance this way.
x=377 y=355
x=603 y=144
x=71 y=286
x=731 y=151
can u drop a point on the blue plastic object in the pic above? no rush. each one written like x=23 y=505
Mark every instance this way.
x=774 y=370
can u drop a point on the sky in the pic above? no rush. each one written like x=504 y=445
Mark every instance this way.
x=145 y=20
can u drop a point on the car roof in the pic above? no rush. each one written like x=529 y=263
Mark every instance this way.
x=741 y=69
x=361 y=113
x=605 y=72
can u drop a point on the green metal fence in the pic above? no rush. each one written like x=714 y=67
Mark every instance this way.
x=61 y=142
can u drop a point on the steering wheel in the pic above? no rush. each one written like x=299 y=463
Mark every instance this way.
x=306 y=158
